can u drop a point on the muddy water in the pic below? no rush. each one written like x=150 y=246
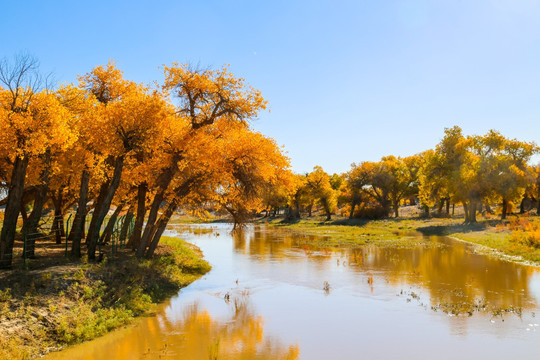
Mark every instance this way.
x=382 y=303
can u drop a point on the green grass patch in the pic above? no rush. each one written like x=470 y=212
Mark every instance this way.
x=343 y=232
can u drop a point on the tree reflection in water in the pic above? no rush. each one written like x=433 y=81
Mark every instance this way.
x=195 y=334
x=448 y=271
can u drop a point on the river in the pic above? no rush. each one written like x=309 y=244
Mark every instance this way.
x=266 y=298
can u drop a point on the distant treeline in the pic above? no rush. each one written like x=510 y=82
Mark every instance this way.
x=473 y=171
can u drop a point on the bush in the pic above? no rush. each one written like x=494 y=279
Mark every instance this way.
x=525 y=232
x=370 y=212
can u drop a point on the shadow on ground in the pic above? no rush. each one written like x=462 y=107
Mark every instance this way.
x=457 y=228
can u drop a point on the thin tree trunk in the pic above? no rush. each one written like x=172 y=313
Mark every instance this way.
x=24 y=214
x=353 y=205
x=107 y=233
x=135 y=237
x=504 y=208
x=522 y=204
x=157 y=230
x=296 y=214
x=441 y=205
x=11 y=213
x=58 y=222
x=161 y=225
x=538 y=202
x=150 y=224
x=77 y=230
x=97 y=203
x=164 y=181
x=126 y=224
x=102 y=209
x=31 y=225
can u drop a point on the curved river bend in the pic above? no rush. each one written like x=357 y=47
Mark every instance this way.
x=382 y=303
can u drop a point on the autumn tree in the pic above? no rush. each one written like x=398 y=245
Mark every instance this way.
x=356 y=180
x=320 y=186
x=401 y=178
x=205 y=98
x=32 y=121
x=504 y=171
x=253 y=164
x=297 y=196
x=132 y=115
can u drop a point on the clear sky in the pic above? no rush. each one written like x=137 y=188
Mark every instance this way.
x=347 y=81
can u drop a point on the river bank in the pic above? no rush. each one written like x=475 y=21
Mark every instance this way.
x=49 y=307
x=514 y=239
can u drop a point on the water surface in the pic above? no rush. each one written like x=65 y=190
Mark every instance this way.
x=382 y=303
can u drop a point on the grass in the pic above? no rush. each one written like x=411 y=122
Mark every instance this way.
x=517 y=238
x=47 y=309
x=344 y=232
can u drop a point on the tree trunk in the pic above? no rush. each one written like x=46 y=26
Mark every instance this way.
x=472 y=212
x=164 y=181
x=160 y=226
x=31 y=225
x=97 y=203
x=522 y=204
x=447 y=206
x=77 y=230
x=396 y=210
x=157 y=229
x=441 y=205
x=296 y=214
x=386 y=209
x=135 y=238
x=107 y=233
x=466 y=210
x=426 y=210
x=11 y=213
x=58 y=222
x=353 y=205
x=126 y=224
x=24 y=214
x=102 y=208
x=504 y=208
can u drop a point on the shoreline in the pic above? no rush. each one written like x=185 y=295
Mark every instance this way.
x=488 y=236
x=49 y=309
x=488 y=251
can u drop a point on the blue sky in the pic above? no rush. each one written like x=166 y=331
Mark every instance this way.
x=347 y=81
